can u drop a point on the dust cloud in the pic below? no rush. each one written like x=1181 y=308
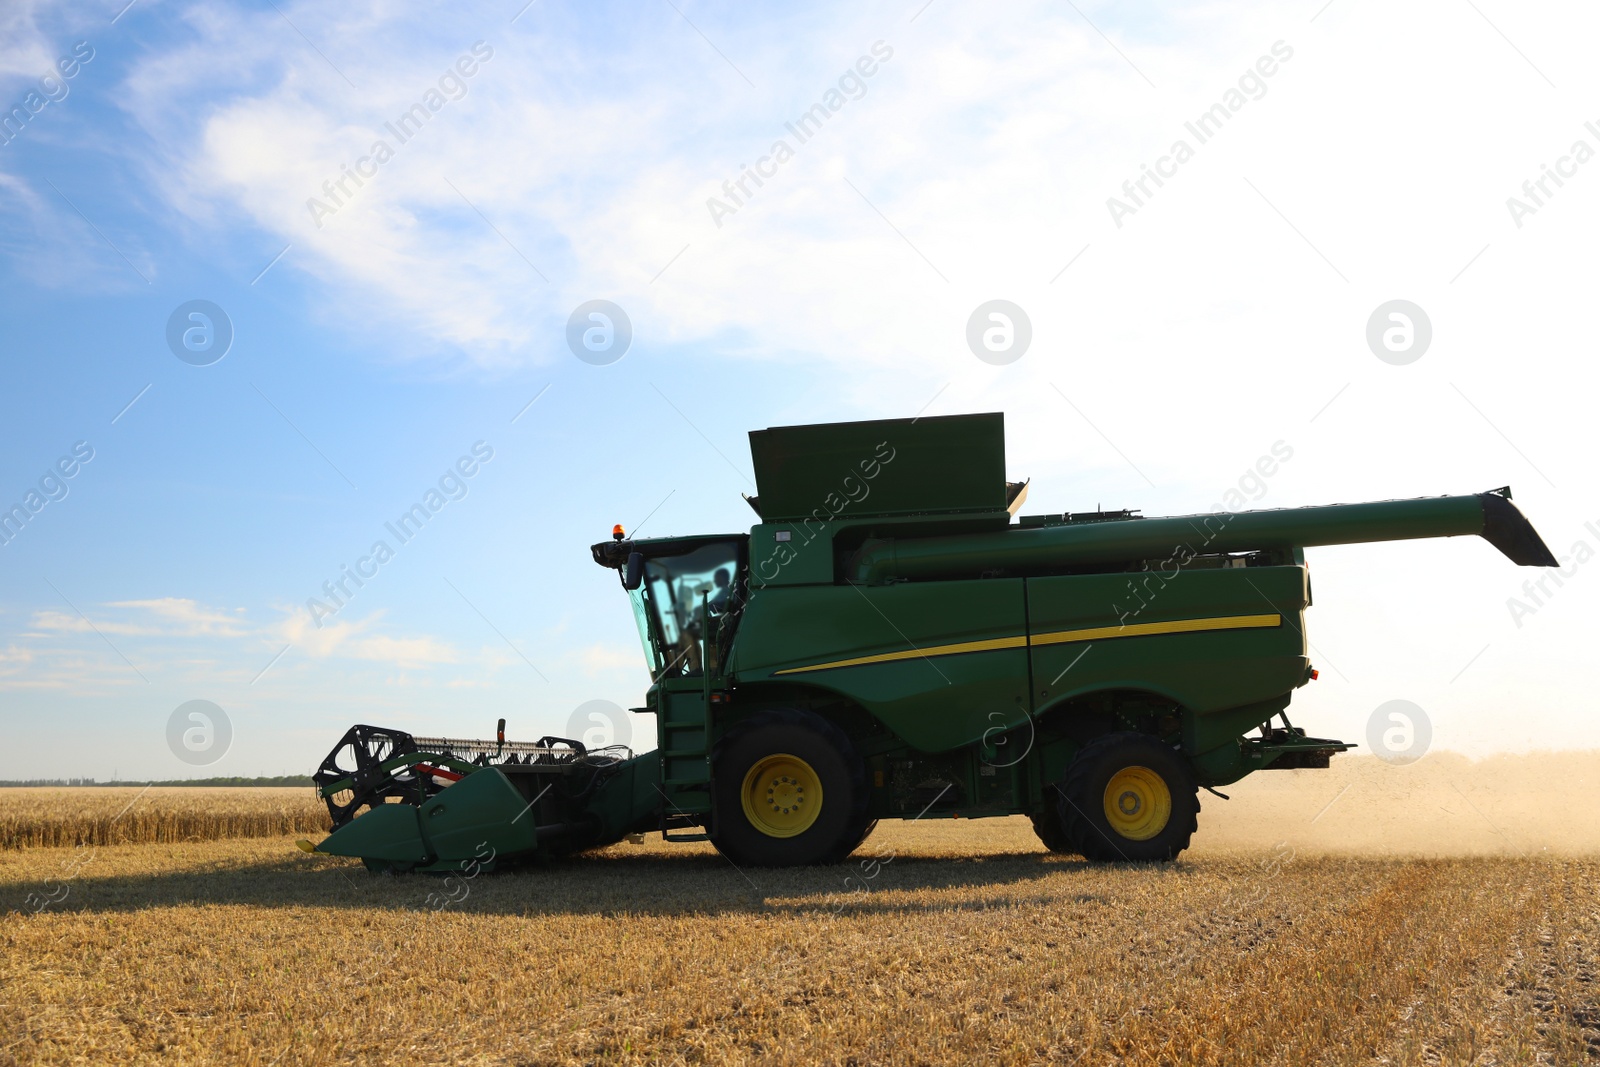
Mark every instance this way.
x=1443 y=805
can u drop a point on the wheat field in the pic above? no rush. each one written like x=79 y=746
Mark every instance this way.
x=115 y=815
x=1468 y=932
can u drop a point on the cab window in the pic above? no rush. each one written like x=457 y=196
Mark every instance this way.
x=685 y=601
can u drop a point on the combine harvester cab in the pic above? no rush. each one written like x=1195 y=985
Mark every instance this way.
x=891 y=641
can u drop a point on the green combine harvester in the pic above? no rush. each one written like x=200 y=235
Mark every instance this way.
x=890 y=640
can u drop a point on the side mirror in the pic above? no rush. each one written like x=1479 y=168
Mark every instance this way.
x=633 y=574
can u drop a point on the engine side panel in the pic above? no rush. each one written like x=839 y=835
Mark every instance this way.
x=939 y=663
x=1208 y=639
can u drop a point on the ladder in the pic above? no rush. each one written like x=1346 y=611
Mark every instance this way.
x=684 y=731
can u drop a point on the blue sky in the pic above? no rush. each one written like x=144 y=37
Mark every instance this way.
x=576 y=162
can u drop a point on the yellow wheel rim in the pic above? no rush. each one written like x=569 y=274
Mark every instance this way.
x=782 y=795
x=1137 y=803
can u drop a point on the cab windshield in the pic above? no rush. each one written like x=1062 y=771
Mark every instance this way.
x=685 y=608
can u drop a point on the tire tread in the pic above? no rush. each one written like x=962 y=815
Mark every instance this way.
x=1088 y=839
x=857 y=826
x=1049 y=828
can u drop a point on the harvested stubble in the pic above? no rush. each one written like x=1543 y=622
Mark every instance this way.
x=1464 y=930
x=57 y=817
x=945 y=951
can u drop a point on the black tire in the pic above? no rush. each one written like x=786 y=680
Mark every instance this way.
x=1048 y=825
x=1082 y=803
x=841 y=822
x=866 y=833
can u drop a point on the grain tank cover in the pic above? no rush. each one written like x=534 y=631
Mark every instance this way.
x=950 y=464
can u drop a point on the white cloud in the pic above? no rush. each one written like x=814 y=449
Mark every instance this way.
x=600 y=189
x=15 y=660
x=163 y=616
x=24 y=50
x=406 y=652
x=188 y=617
x=600 y=659
x=360 y=639
x=52 y=621
x=172 y=625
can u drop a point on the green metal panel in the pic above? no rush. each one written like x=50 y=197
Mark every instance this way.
x=628 y=800
x=804 y=552
x=1218 y=754
x=933 y=698
x=388 y=833
x=1208 y=668
x=792 y=553
x=481 y=812
x=947 y=464
x=943 y=688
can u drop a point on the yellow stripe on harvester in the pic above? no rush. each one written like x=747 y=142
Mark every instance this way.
x=1140 y=629
x=916 y=653
x=1059 y=637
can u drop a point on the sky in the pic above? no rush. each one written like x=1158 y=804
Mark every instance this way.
x=363 y=344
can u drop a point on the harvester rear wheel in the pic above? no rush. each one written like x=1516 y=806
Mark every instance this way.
x=1051 y=830
x=1128 y=797
x=789 y=790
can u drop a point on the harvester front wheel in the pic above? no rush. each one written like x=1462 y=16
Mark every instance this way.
x=790 y=790
x=1128 y=797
